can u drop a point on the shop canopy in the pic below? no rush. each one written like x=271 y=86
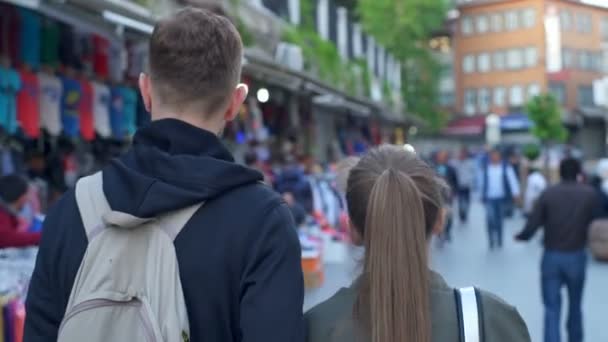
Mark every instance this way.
x=466 y=126
x=515 y=122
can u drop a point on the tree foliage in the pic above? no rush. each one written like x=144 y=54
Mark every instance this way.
x=545 y=113
x=404 y=28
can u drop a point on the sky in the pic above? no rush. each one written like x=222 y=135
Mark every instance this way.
x=597 y=2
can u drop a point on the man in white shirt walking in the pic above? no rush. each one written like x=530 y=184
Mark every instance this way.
x=499 y=185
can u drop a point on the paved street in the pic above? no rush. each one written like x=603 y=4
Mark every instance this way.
x=512 y=273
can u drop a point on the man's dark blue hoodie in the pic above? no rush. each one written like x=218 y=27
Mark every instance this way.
x=239 y=256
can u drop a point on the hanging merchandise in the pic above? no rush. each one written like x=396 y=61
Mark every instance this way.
x=129 y=97
x=51 y=89
x=138 y=59
x=87 y=126
x=72 y=96
x=67 y=56
x=49 y=44
x=117 y=113
x=117 y=60
x=101 y=109
x=9 y=32
x=101 y=51
x=10 y=83
x=28 y=110
x=83 y=51
x=30 y=38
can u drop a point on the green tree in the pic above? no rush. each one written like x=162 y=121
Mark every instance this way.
x=546 y=114
x=404 y=28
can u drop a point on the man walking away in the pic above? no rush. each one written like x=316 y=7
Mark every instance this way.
x=238 y=255
x=465 y=169
x=448 y=173
x=499 y=185
x=565 y=211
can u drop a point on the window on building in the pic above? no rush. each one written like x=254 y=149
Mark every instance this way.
x=500 y=95
x=531 y=56
x=596 y=61
x=558 y=90
x=470 y=99
x=585 y=96
x=483 y=62
x=565 y=19
x=516 y=95
x=483 y=99
x=515 y=59
x=584 y=60
x=533 y=90
x=466 y=26
x=497 y=22
x=604 y=28
x=568 y=58
x=584 y=22
x=512 y=20
x=468 y=64
x=446 y=99
x=481 y=24
x=498 y=60
x=528 y=18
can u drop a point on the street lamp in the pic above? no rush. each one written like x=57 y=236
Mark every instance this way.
x=492 y=129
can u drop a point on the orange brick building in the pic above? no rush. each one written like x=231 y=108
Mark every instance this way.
x=505 y=52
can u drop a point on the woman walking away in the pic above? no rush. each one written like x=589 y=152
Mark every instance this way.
x=394 y=203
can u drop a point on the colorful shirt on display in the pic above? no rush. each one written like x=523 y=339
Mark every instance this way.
x=87 y=128
x=117 y=113
x=101 y=50
x=28 y=104
x=30 y=37
x=67 y=56
x=51 y=89
x=129 y=97
x=101 y=109
x=70 y=105
x=49 y=44
x=117 y=60
x=9 y=32
x=10 y=83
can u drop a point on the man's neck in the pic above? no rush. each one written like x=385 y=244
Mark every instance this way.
x=193 y=120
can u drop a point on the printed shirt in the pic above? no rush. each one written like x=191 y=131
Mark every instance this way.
x=10 y=83
x=28 y=104
x=70 y=105
x=51 y=90
x=87 y=127
x=101 y=109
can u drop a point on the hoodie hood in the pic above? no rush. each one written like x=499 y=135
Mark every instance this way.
x=172 y=165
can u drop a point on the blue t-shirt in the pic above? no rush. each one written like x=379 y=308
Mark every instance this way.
x=70 y=105
x=129 y=98
x=117 y=113
x=10 y=83
x=30 y=37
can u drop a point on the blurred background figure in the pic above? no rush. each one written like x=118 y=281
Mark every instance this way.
x=466 y=170
x=449 y=175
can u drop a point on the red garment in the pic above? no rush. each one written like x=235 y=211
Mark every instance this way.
x=101 y=48
x=87 y=123
x=28 y=109
x=10 y=236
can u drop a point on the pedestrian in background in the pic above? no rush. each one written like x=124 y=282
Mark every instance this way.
x=465 y=170
x=499 y=185
x=395 y=206
x=565 y=211
x=535 y=185
x=448 y=173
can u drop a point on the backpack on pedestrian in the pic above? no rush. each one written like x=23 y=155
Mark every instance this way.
x=128 y=286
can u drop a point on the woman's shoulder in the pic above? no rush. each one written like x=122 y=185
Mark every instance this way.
x=502 y=321
x=322 y=319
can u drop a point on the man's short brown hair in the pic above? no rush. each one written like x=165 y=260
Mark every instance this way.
x=195 y=57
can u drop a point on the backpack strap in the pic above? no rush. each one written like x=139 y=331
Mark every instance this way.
x=173 y=223
x=92 y=203
x=470 y=314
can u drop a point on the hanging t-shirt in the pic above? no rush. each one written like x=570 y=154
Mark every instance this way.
x=129 y=97
x=83 y=51
x=87 y=128
x=9 y=32
x=117 y=60
x=10 y=83
x=28 y=110
x=101 y=51
x=67 y=56
x=49 y=44
x=30 y=37
x=138 y=59
x=117 y=113
x=70 y=105
x=51 y=89
x=101 y=109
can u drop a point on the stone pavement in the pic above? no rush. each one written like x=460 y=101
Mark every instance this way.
x=512 y=273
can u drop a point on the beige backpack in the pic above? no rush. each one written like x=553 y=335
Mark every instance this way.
x=128 y=286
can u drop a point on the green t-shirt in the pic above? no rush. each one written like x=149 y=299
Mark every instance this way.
x=49 y=48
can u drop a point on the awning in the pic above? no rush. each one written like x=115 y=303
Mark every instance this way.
x=515 y=122
x=466 y=126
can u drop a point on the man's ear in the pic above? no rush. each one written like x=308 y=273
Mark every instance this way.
x=440 y=223
x=238 y=97
x=146 y=91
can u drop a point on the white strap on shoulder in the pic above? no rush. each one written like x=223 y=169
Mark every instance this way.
x=92 y=203
x=173 y=223
x=469 y=317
